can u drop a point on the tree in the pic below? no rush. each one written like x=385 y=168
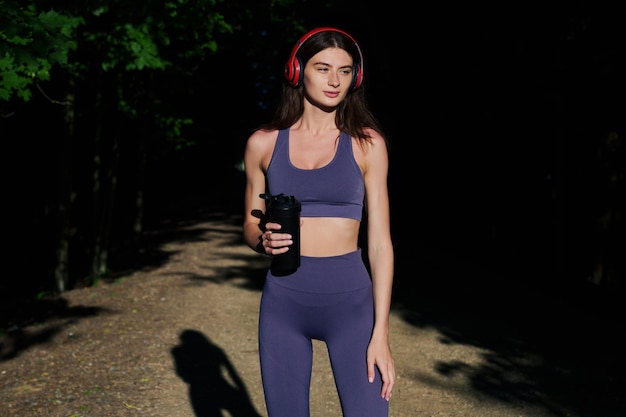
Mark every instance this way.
x=106 y=60
x=114 y=89
x=31 y=44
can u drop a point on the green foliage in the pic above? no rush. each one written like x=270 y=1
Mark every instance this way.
x=152 y=35
x=44 y=294
x=31 y=44
x=126 y=37
x=163 y=41
x=138 y=48
x=173 y=130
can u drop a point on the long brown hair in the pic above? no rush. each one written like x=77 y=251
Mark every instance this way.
x=353 y=115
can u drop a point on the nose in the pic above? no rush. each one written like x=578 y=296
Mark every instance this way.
x=333 y=80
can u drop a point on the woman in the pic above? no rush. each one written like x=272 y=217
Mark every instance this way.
x=326 y=149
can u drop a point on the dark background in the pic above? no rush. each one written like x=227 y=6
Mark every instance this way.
x=506 y=128
x=506 y=124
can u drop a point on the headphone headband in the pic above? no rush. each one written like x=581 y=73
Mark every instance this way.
x=294 y=70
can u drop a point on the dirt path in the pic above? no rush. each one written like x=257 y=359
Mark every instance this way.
x=178 y=339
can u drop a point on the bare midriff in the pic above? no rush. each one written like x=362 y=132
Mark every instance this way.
x=328 y=236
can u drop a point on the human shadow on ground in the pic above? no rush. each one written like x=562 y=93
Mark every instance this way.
x=214 y=384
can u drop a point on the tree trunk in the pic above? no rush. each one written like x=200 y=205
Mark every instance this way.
x=65 y=199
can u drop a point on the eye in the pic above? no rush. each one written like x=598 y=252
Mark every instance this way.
x=346 y=71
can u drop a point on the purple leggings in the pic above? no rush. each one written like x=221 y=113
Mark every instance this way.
x=328 y=299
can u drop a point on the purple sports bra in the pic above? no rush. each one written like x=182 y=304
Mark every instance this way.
x=334 y=190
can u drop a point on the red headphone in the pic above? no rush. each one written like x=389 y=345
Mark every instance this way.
x=294 y=70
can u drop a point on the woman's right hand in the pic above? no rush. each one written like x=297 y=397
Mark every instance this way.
x=274 y=242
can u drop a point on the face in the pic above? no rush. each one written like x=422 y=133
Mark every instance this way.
x=327 y=77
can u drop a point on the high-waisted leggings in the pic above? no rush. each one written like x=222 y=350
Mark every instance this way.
x=328 y=299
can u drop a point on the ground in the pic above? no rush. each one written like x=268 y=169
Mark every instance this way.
x=178 y=339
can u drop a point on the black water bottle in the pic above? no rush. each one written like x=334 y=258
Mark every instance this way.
x=285 y=210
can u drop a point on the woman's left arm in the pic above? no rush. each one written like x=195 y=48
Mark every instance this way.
x=381 y=259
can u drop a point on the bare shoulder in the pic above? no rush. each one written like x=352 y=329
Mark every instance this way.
x=375 y=144
x=261 y=139
x=261 y=142
x=259 y=148
x=372 y=152
x=376 y=138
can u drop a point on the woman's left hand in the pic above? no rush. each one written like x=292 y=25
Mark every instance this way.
x=379 y=355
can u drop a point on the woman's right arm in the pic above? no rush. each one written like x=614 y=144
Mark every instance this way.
x=263 y=237
x=256 y=157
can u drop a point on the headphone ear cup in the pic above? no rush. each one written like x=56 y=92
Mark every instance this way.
x=357 y=78
x=298 y=72
x=293 y=70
